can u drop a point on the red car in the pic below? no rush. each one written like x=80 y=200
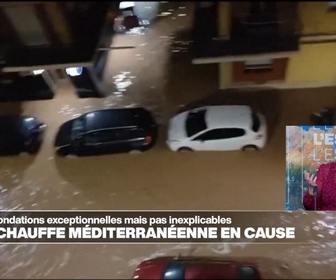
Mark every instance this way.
x=184 y=268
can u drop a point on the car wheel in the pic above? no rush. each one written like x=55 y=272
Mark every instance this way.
x=64 y=152
x=250 y=148
x=185 y=149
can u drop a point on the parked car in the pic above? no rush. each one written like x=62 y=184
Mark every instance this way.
x=217 y=128
x=19 y=134
x=324 y=117
x=107 y=131
x=169 y=268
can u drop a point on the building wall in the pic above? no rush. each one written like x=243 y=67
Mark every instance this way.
x=313 y=66
x=224 y=18
x=315 y=63
x=35 y=24
x=317 y=18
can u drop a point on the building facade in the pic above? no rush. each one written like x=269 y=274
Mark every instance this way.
x=41 y=40
x=270 y=44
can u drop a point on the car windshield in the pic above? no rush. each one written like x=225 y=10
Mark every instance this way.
x=196 y=122
x=174 y=271
x=255 y=122
x=77 y=127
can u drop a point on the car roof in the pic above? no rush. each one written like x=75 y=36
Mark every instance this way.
x=109 y=118
x=15 y=124
x=228 y=116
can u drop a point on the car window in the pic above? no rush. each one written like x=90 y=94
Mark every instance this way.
x=255 y=122
x=77 y=128
x=195 y=122
x=130 y=133
x=222 y=133
x=109 y=135
x=29 y=123
x=92 y=138
x=174 y=271
x=112 y=135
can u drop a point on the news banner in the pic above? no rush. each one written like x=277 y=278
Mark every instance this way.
x=147 y=227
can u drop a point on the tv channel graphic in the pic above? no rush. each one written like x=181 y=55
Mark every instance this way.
x=149 y=227
x=311 y=168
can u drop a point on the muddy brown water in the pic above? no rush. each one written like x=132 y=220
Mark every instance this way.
x=158 y=74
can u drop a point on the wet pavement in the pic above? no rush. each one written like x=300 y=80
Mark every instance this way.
x=158 y=75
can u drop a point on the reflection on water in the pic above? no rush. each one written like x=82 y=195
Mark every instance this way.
x=122 y=81
x=136 y=31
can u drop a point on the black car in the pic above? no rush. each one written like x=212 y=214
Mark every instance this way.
x=107 y=131
x=20 y=134
x=324 y=117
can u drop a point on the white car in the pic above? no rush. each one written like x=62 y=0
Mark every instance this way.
x=217 y=128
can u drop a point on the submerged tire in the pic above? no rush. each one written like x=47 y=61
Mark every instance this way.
x=250 y=148
x=185 y=149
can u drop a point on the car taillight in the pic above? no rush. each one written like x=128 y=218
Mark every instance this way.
x=148 y=139
x=258 y=137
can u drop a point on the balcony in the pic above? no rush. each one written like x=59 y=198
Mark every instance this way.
x=256 y=28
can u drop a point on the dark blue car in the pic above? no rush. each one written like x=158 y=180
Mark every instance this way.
x=20 y=134
x=107 y=131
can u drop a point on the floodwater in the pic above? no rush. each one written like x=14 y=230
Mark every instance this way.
x=157 y=74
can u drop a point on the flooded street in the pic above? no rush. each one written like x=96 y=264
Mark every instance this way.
x=157 y=74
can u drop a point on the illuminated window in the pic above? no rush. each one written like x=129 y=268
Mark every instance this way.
x=38 y=72
x=258 y=65
x=74 y=71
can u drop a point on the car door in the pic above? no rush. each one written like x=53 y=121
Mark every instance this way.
x=205 y=141
x=230 y=139
x=115 y=141
x=104 y=141
x=221 y=139
x=134 y=138
x=92 y=144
